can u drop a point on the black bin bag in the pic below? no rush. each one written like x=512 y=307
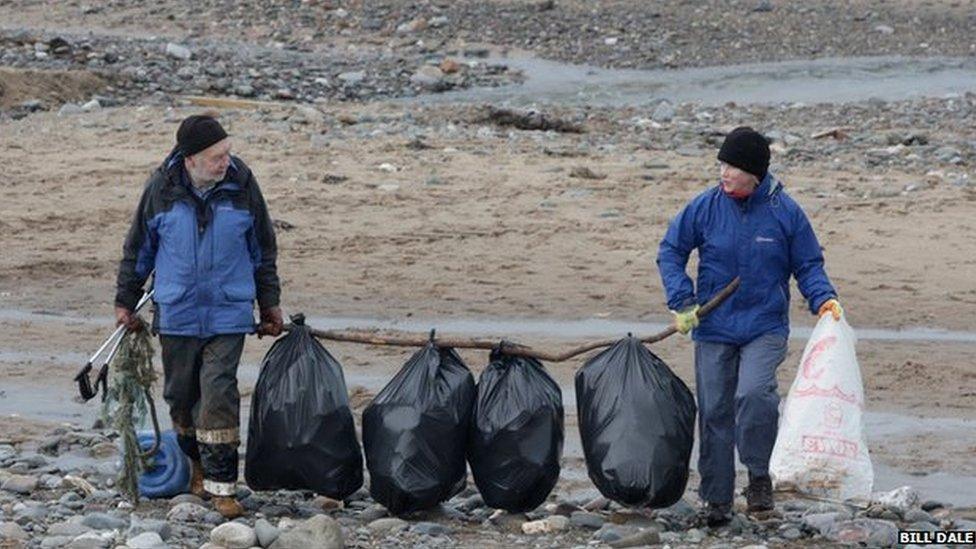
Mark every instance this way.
x=301 y=434
x=636 y=422
x=516 y=437
x=415 y=429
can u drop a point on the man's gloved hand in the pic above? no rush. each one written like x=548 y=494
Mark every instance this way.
x=271 y=322
x=831 y=306
x=125 y=317
x=686 y=319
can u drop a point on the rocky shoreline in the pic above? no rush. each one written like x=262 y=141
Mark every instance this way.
x=60 y=492
x=155 y=70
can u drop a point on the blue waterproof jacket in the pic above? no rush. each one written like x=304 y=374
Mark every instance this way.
x=213 y=255
x=763 y=240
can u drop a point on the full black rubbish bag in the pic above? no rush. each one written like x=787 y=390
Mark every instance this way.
x=636 y=422
x=301 y=434
x=516 y=436
x=414 y=432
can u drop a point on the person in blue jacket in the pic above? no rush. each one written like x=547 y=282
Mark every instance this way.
x=747 y=226
x=202 y=225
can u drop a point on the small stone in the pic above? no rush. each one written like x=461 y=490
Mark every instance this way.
x=309 y=114
x=664 y=112
x=583 y=519
x=963 y=524
x=67 y=528
x=139 y=525
x=387 y=525
x=471 y=503
x=449 y=66
x=320 y=532
x=582 y=172
x=430 y=529
x=79 y=484
x=918 y=515
x=950 y=155
x=764 y=6
x=923 y=526
x=31 y=105
x=535 y=527
x=352 y=77
x=186 y=498
x=20 y=484
x=104 y=521
x=438 y=22
x=609 y=533
x=870 y=532
x=791 y=534
x=265 y=532
x=644 y=537
x=428 y=77
x=413 y=26
x=69 y=109
x=372 y=513
x=821 y=522
x=327 y=503
x=694 y=535
x=903 y=498
x=557 y=523
x=930 y=505
x=92 y=105
x=565 y=508
x=233 y=535
x=177 y=51
x=884 y=29
x=146 y=540
x=91 y=540
x=187 y=512
x=12 y=531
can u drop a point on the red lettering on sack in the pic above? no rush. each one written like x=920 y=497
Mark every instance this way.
x=839 y=447
x=833 y=392
x=818 y=349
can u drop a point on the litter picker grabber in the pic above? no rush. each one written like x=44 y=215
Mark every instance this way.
x=85 y=387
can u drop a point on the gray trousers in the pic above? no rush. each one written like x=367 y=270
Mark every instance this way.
x=738 y=408
x=200 y=386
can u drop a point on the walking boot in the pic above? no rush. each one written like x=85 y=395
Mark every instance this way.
x=716 y=514
x=759 y=494
x=228 y=506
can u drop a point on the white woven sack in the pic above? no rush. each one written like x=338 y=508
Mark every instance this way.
x=821 y=448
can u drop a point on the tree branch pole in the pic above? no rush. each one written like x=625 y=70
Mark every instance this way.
x=406 y=339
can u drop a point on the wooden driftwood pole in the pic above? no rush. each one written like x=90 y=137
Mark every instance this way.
x=408 y=339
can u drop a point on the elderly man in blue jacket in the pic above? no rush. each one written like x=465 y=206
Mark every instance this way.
x=202 y=225
x=747 y=226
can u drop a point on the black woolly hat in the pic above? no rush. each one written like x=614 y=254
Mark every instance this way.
x=746 y=149
x=197 y=132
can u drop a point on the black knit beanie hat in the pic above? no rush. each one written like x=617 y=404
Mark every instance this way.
x=746 y=149
x=197 y=132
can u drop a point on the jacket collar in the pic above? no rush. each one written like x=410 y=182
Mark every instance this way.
x=767 y=188
x=177 y=177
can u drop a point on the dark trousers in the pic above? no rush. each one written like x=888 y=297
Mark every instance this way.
x=200 y=386
x=738 y=408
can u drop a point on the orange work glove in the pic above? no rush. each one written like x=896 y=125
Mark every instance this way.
x=832 y=306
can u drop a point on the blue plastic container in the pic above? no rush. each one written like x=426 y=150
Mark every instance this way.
x=169 y=474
